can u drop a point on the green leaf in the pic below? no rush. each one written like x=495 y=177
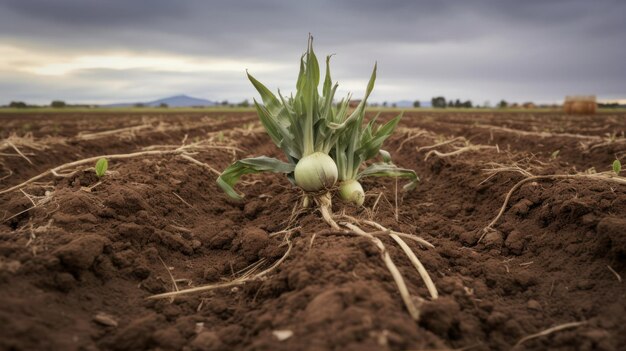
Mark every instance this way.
x=617 y=167
x=101 y=167
x=385 y=155
x=327 y=80
x=390 y=170
x=271 y=127
x=310 y=99
x=370 y=148
x=231 y=175
x=359 y=112
x=269 y=100
x=301 y=77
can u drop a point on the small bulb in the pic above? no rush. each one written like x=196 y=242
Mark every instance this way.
x=352 y=191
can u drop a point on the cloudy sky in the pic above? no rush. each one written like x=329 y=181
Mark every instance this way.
x=94 y=51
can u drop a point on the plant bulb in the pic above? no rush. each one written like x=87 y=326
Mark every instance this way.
x=316 y=172
x=352 y=191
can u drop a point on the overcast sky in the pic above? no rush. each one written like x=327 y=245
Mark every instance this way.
x=94 y=51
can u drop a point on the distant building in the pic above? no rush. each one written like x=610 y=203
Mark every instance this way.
x=529 y=105
x=580 y=105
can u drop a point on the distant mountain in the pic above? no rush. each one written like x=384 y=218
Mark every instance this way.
x=403 y=103
x=173 y=101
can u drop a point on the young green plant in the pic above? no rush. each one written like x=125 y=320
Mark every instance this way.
x=617 y=167
x=305 y=127
x=309 y=128
x=101 y=167
x=359 y=144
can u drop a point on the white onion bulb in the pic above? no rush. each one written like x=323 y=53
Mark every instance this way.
x=316 y=172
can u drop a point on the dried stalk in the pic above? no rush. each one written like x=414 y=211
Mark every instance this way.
x=549 y=331
x=540 y=134
x=459 y=151
x=246 y=277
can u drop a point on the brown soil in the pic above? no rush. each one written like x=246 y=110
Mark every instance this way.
x=75 y=270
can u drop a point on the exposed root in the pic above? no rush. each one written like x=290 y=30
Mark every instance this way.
x=295 y=212
x=589 y=147
x=149 y=125
x=418 y=266
x=306 y=201
x=36 y=201
x=605 y=176
x=174 y=285
x=412 y=137
x=549 y=331
x=393 y=269
x=397 y=237
x=619 y=277
x=17 y=214
x=248 y=276
x=418 y=149
x=15 y=142
x=183 y=200
x=371 y=212
x=201 y=164
x=391 y=266
x=128 y=132
x=376 y=202
x=28 y=140
x=200 y=145
x=413 y=237
x=540 y=134
x=247 y=130
x=325 y=206
x=499 y=168
x=19 y=152
x=312 y=240
x=459 y=151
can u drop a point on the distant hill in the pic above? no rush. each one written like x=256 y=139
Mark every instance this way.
x=403 y=103
x=173 y=101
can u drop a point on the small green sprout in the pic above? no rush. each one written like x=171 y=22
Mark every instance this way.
x=101 y=167
x=617 y=167
x=555 y=155
x=220 y=137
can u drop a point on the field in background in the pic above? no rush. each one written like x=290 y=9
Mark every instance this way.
x=80 y=254
x=132 y=110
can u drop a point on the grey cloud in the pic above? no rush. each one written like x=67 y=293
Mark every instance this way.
x=514 y=49
x=87 y=13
